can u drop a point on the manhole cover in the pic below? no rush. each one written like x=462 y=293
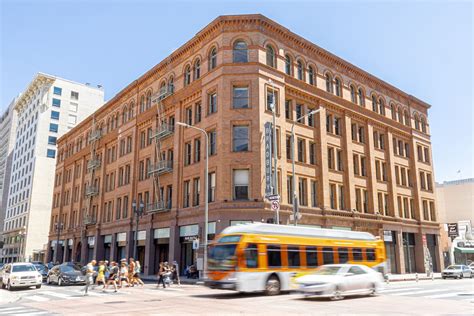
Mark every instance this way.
x=114 y=302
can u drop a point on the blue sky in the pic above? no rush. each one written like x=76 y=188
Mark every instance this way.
x=423 y=48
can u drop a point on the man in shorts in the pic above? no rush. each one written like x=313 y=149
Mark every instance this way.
x=89 y=276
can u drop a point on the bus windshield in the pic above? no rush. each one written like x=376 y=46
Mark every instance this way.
x=222 y=257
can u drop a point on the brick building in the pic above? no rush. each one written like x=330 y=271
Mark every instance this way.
x=363 y=161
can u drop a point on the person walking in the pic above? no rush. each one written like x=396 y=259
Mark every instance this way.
x=161 y=273
x=136 y=276
x=131 y=272
x=89 y=276
x=113 y=276
x=123 y=275
x=100 y=274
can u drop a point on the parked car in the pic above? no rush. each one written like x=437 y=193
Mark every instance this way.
x=339 y=280
x=471 y=266
x=20 y=274
x=65 y=274
x=457 y=271
x=42 y=269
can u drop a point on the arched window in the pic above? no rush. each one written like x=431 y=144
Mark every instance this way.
x=417 y=122
x=423 y=124
x=338 y=86
x=148 y=100
x=171 y=85
x=400 y=115
x=311 y=75
x=213 y=58
x=187 y=75
x=407 y=118
x=142 y=103
x=116 y=120
x=394 y=111
x=381 y=106
x=197 y=69
x=124 y=115
x=270 y=56
x=163 y=88
x=353 y=95
x=108 y=125
x=300 y=70
x=130 y=111
x=240 y=54
x=288 y=64
x=361 y=97
x=328 y=83
x=374 y=103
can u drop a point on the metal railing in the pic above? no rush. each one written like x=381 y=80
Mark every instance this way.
x=93 y=164
x=92 y=190
x=164 y=130
x=160 y=206
x=95 y=135
x=89 y=220
x=160 y=167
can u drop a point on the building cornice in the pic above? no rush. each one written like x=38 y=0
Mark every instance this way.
x=40 y=80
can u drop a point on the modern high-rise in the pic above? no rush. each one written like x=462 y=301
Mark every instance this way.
x=363 y=162
x=49 y=107
x=8 y=122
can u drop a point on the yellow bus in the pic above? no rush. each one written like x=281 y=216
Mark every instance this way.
x=264 y=258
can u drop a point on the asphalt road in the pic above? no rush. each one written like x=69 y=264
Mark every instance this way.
x=439 y=297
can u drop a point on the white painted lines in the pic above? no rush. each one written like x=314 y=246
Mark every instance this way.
x=37 y=298
x=7 y=310
x=59 y=295
x=21 y=310
x=420 y=292
x=400 y=290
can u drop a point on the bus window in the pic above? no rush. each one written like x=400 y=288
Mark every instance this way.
x=311 y=257
x=328 y=256
x=343 y=255
x=274 y=256
x=251 y=256
x=370 y=253
x=293 y=256
x=357 y=254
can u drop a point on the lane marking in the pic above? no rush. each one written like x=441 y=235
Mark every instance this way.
x=35 y=313
x=23 y=312
x=421 y=292
x=399 y=290
x=36 y=298
x=8 y=309
x=444 y=295
x=60 y=295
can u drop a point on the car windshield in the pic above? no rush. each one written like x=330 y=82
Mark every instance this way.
x=328 y=270
x=454 y=268
x=222 y=257
x=23 y=268
x=69 y=269
x=39 y=267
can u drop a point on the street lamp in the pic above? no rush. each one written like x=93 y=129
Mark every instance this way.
x=59 y=227
x=295 y=196
x=206 y=186
x=22 y=235
x=274 y=174
x=138 y=211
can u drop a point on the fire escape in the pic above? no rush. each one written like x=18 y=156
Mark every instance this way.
x=92 y=188
x=162 y=164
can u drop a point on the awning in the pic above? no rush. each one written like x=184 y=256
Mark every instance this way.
x=464 y=250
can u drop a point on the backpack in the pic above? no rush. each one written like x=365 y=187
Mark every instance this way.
x=84 y=270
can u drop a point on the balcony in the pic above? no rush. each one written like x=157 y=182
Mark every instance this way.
x=163 y=131
x=157 y=207
x=163 y=166
x=92 y=190
x=89 y=220
x=163 y=93
x=93 y=164
x=95 y=135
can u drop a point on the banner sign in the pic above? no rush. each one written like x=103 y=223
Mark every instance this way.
x=453 y=229
x=268 y=158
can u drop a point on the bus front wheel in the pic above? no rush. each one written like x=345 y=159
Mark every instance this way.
x=272 y=287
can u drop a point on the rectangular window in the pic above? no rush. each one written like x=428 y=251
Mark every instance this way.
x=72 y=119
x=370 y=254
x=312 y=153
x=289 y=189
x=363 y=168
x=299 y=113
x=331 y=158
x=301 y=150
x=314 y=194
x=302 y=192
x=57 y=91
x=187 y=154
x=356 y=254
x=52 y=140
x=332 y=196
x=240 y=138
x=343 y=255
x=189 y=116
x=329 y=126
x=212 y=106
x=74 y=95
x=212 y=186
x=427 y=155
x=337 y=126
x=293 y=256
x=56 y=102
x=339 y=160
x=273 y=256
x=51 y=153
x=55 y=115
x=288 y=110
x=354 y=132
x=241 y=184
x=355 y=161
x=341 y=197
x=311 y=257
x=197 y=150
x=328 y=255
x=197 y=113
x=196 y=191
x=240 y=98
x=272 y=100
x=361 y=134
x=212 y=143
x=53 y=127
x=311 y=118
x=251 y=256
x=186 y=194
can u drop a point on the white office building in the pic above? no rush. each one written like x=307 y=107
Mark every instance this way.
x=48 y=108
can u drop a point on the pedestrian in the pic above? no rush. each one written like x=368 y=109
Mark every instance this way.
x=123 y=274
x=131 y=272
x=161 y=273
x=107 y=270
x=175 y=270
x=89 y=276
x=113 y=276
x=100 y=274
x=136 y=276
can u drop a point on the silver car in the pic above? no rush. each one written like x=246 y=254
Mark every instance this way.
x=457 y=271
x=339 y=280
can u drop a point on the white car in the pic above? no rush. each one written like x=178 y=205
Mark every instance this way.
x=20 y=274
x=339 y=280
x=457 y=271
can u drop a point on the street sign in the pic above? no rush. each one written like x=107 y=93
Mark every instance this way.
x=273 y=197
x=268 y=158
x=275 y=205
x=387 y=236
x=453 y=229
x=195 y=244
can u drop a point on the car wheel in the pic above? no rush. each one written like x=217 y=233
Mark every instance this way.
x=38 y=286
x=48 y=280
x=272 y=287
x=470 y=276
x=444 y=278
x=60 y=282
x=373 y=290
x=9 y=286
x=336 y=294
x=461 y=275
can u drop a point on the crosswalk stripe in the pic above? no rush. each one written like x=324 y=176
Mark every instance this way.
x=9 y=309
x=60 y=295
x=442 y=295
x=34 y=313
x=400 y=290
x=23 y=312
x=421 y=292
x=37 y=298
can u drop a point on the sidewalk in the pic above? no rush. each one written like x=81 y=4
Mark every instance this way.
x=411 y=277
x=183 y=280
